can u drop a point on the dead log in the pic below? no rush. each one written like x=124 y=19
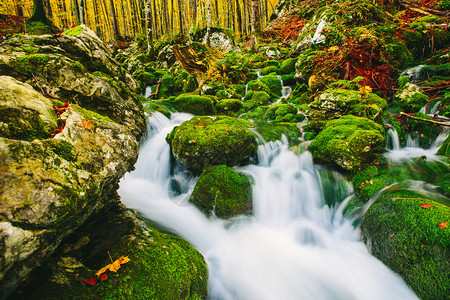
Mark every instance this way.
x=425 y=120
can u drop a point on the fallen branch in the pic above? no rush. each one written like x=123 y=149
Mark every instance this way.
x=157 y=90
x=425 y=120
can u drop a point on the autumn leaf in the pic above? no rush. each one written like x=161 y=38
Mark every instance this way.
x=425 y=205
x=365 y=90
x=90 y=281
x=103 y=277
x=113 y=267
x=102 y=270
x=86 y=124
x=443 y=225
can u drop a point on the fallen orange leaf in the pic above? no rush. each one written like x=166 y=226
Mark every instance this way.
x=91 y=281
x=114 y=266
x=443 y=225
x=425 y=205
x=102 y=270
x=86 y=124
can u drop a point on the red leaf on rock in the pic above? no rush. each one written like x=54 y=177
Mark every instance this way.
x=103 y=277
x=86 y=124
x=425 y=205
x=91 y=281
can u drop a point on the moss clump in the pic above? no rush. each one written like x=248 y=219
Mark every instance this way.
x=75 y=31
x=229 y=106
x=32 y=62
x=274 y=84
x=283 y=113
x=256 y=85
x=445 y=148
x=166 y=88
x=194 y=104
x=254 y=99
x=288 y=79
x=222 y=191
x=204 y=141
x=268 y=70
x=347 y=142
x=61 y=148
x=288 y=66
x=407 y=238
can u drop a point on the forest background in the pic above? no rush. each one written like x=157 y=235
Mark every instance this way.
x=118 y=19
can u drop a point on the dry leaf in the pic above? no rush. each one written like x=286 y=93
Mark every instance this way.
x=425 y=205
x=443 y=225
x=91 y=281
x=114 y=266
x=102 y=270
x=86 y=124
x=365 y=90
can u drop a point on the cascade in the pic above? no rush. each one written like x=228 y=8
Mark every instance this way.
x=296 y=245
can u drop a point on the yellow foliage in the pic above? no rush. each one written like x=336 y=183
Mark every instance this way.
x=113 y=267
x=365 y=90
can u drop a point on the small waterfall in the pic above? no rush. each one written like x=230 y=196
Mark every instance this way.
x=295 y=246
x=148 y=91
x=393 y=136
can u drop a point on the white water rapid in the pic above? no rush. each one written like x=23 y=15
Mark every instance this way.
x=292 y=247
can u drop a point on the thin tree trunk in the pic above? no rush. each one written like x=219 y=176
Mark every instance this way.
x=114 y=19
x=238 y=18
x=208 y=21
x=256 y=27
x=149 y=25
x=81 y=11
x=180 y=18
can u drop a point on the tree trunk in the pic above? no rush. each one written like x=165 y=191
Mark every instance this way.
x=39 y=12
x=180 y=18
x=208 y=21
x=114 y=19
x=149 y=25
x=81 y=11
x=239 y=18
x=256 y=26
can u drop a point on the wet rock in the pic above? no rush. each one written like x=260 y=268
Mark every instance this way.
x=347 y=142
x=222 y=192
x=204 y=141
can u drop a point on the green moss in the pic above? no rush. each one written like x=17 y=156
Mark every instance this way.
x=279 y=111
x=151 y=106
x=61 y=148
x=32 y=62
x=256 y=85
x=407 y=238
x=204 y=141
x=288 y=79
x=24 y=124
x=268 y=70
x=90 y=115
x=274 y=84
x=347 y=142
x=75 y=31
x=254 y=99
x=229 y=106
x=445 y=148
x=194 y=104
x=426 y=134
x=222 y=191
x=166 y=87
x=288 y=66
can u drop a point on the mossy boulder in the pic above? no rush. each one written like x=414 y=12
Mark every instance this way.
x=408 y=239
x=334 y=103
x=161 y=266
x=347 y=142
x=254 y=99
x=445 y=148
x=269 y=69
x=194 y=104
x=222 y=191
x=288 y=66
x=410 y=99
x=229 y=106
x=283 y=113
x=256 y=85
x=24 y=113
x=274 y=84
x=59 y=170
x=204 y=141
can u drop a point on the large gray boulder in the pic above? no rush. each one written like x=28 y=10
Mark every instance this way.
x=61 y=157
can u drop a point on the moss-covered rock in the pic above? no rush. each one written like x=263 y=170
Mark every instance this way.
x=204 y=141
x=334 y=103
x=284 y=113
x=410 y=99
x=445 y=148
x=288 y=66
x=222 y=191
x=254 y=99
x=408 y=239
x=161 y=266
x=269 y=69
x=229 y=106
x=24 y=113
x=347 y=142
x=256 y=85
x=274 y=84
x=194 y=104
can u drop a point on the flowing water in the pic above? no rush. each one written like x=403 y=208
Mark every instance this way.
x=293 y=246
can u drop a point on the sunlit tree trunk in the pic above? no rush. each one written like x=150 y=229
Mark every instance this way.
x=149 y=25
x=256 y=26
x=239 y=18
x=208 y=21
x=81 y=11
